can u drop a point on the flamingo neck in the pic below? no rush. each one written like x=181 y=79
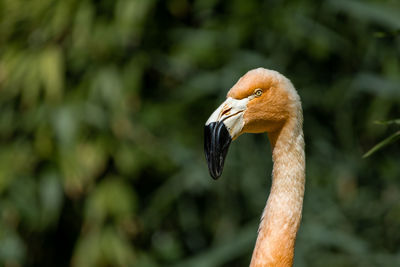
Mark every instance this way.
x=282 y=214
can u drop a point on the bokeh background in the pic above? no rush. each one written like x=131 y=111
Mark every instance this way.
x=102 y=107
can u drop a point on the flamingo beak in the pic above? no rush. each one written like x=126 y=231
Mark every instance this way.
x=216 y=145
x=223 y=126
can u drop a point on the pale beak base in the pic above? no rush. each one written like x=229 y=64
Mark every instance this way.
x=223 y=126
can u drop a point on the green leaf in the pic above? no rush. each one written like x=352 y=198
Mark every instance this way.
x=103 y=247
x=378 y=85
x=395 y=121
x=383 y=14
x=50 y=194
x=52 y=73
x=111 y=198
x=383 y=143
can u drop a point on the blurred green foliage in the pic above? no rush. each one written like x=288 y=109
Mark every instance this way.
x=101 y=128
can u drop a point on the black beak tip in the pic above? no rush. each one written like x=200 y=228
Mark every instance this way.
x=216 y=144
x=215 y=175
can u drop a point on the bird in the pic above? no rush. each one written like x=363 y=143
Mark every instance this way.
x=262 y=101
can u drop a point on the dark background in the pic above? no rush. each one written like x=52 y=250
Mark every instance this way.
x=102 y=107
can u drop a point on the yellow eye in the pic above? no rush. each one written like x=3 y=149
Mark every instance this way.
x=258 y=92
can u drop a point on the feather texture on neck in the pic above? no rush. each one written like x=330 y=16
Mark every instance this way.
x=282 y=214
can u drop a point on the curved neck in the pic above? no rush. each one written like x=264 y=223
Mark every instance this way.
x=282 y=214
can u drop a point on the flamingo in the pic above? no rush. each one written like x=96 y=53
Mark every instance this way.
x=265 y=101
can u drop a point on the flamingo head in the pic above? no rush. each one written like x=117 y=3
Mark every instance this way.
x=261 y=101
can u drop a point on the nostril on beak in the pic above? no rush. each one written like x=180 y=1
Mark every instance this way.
x=226 y=111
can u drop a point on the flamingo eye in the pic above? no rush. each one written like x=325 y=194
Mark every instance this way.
x=258 y=92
